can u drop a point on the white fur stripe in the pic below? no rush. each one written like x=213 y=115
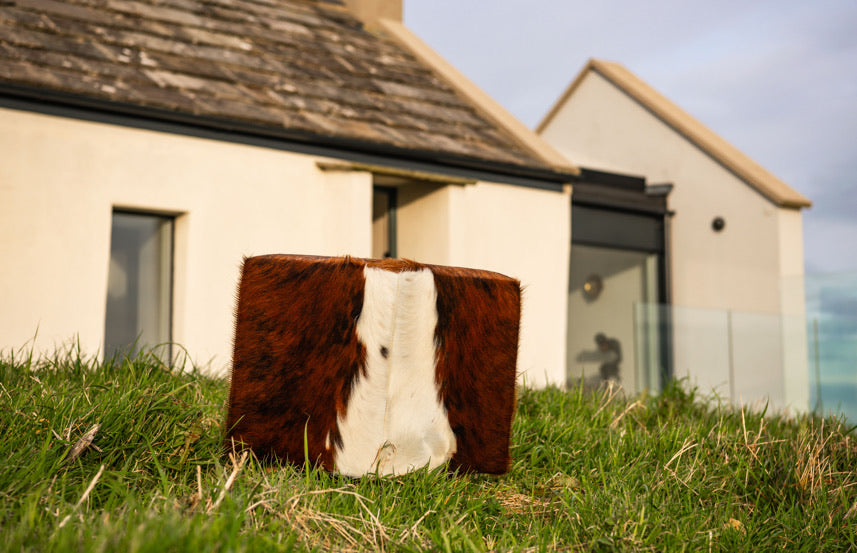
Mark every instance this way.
x=362 y=428
x=416 y=422
x=395 y=421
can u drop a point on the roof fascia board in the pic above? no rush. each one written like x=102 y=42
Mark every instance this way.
x=486 y=105
x=382 y=170
x=371 y=11
x=100 y=111
x=620 y=200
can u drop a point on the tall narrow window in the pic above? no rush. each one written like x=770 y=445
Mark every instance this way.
x=384 y=222
x=139 y=284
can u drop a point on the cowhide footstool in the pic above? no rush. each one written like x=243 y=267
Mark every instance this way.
x=374 y=367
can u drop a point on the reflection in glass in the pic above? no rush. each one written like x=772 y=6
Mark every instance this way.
x=604 y=286
x=139 y=283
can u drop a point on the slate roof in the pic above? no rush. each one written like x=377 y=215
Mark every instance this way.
x=300 y=69
x=688 y=126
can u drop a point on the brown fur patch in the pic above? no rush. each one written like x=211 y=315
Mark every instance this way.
x=477 y=340
x=296 y=354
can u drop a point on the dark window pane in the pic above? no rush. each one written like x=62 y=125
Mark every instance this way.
x=383 y=222
x=616 y=229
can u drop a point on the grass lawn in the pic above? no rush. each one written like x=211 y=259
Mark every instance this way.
x=590 y=471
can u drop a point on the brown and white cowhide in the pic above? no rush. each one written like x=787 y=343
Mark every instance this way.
x=381 y=366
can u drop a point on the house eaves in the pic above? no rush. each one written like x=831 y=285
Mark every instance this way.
x=690 y=128
x=301 y=72
x=486 y=105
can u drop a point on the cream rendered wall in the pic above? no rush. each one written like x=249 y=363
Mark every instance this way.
x=422 y=222
x=739 y=268
x=793 y=301
x=524 y=233
x=520 y=232
x=60 y=179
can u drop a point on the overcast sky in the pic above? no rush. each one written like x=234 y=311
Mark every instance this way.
x=777 y=79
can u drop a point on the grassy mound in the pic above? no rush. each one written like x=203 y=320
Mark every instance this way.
x=591 y=471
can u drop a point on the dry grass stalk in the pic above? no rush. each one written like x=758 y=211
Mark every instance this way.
x=236 y=468
x=688 y=444
x=82 y=444
x=196 y=498
x=811 y=464
x=412 y=531
x=627 y=410
x=754 y=445
x=315 y=525
x=609 y=393
x=518 y=503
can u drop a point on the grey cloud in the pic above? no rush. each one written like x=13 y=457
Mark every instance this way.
x=776 y=79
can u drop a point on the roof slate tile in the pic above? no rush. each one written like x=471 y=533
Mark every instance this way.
x=290 y=65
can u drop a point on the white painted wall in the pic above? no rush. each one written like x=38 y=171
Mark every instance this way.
x=739 y=268
x=795 y=350
x=422 y=223
x=61 y=178
x=520 y=232
x=526 y=234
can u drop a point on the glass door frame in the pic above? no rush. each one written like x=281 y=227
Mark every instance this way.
x=622 y=212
